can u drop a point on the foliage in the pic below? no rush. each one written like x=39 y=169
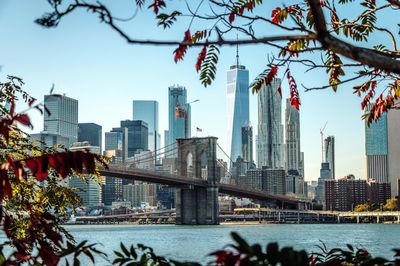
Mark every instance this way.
x=391 y=205
x=352 y=46
x=362 y=207
x=242 y=253
x=33 y=202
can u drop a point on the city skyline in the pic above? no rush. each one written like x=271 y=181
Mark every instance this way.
x=81 y=81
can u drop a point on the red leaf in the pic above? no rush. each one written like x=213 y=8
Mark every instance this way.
x=23 y=119
x=157 y=5
x=231 y=17
x=271 y=75
x=201 y=57
x=5 y=186
x=294 y=94
x=280 y=91
x=182 y=48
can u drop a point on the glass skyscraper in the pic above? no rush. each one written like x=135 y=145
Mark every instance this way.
x=179 y=120
x=138 y=135
x=117 y=140
x=92 y=133
x=63 y=117
x=147 y=111
x=330 y=154
x=293 y=153
x=270 y=148
x=237 y=107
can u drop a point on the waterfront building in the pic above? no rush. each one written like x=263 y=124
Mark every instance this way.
x=140 y=193
x=295 y=184
x=147 y=111
x=330 y=154
x=252 y=179
x=62 y=119
x=345 y=193
x=90 y=190
x=325 y=174
x=137 y=135
x=237 y=107
x=179 y=118
x=117 y=140
x=92 y=133
x=270 y=149
x=247 y=143
x=294 y=156
x=272 y=181
x=382 y=149
x=378 y=193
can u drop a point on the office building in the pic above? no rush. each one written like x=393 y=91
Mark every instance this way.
x=237 y=107
x=179 y=118
x=89 y=191
x=383 y=150
x=294 y=160
x=147 y=111
x=117 y=140
x=345 y=194
x=295 y=184
x=247 y=143
x=272 y=181
x=270 y=149
x=138 y=135
x=92 y=133
x=62 y=119
x=325 y=174
x=378 y=193
x=140 y=194
x=330 y=154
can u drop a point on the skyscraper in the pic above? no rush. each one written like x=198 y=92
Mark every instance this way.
x=90 y=132
x=330 y=154
x=382 y=150
x=247 y=143
x=63 y=118
x=179 y=120
x=270 y=148
x=237 y=107
x=147 y=111
x=138 y=135
x=294 y=159
x=117 y=140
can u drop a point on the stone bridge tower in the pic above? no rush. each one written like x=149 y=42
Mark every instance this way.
x=197 y=158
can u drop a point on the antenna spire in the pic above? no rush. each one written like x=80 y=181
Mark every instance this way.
x=237 y=50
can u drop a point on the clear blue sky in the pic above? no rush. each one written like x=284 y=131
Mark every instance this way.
x=88 y=61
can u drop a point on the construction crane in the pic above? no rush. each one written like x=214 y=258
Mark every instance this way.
x=321 y=131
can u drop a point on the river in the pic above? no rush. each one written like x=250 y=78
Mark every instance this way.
x=195 y=242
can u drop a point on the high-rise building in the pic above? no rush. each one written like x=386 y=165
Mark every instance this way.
x=247 y=143
x=330 y=154
x=325 y=174
x=382 y=150
x=138 y=135
x=117 y=140
x=378 y=193
x=92 y=133
x=270 y=149
x=345 y=194
x=138 y=194
x=294 y=160
x=89 y=191
x=237 y=107
x=63 y=117
x=179 y=117
x=147 y=111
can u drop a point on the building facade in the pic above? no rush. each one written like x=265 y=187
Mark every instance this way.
x=330 y=154
x=138 y=135
x=247 y=143
x=92 y=133
x=138 y=194
x=237 y=108
x=179 y=117
x=62 y=118
x=117 y=140
x=382 y=150
x=294 y=159
x=270 y=149
x=345 y=194
x=147 y=111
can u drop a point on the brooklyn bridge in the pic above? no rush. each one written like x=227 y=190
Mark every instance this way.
x=197 y=181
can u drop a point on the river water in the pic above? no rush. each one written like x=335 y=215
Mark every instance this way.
x=195 y=242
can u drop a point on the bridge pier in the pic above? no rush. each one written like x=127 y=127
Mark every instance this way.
x=197 y=159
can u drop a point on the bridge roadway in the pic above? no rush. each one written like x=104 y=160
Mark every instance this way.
x=178 y=181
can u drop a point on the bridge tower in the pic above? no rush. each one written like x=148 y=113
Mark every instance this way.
x=197 y=158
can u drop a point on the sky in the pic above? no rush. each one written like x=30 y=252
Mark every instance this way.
x=88 y=61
